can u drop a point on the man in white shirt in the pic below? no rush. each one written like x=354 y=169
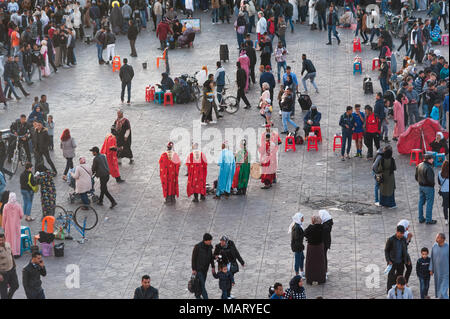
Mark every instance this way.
x=261 y=26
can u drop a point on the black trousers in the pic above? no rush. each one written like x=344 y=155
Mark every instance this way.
x=397 y=270
x=51 y=59
x=9 y=278
x=39 y=159
x=104 y=190
x=122 y=94
x=241 y=95
x=252 y=73
x=70 y=56
x=12 y=146
x=369 y=140
x=69 y=165
x=133 y=47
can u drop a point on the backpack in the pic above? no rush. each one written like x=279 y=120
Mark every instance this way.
x=367 y=85
x=34 y=188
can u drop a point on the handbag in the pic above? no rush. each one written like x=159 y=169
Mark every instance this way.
x=35 y=188
x=379 y=178
x=234 y=268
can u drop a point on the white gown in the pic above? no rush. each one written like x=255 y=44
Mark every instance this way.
x=312 y=11
x=295 y=11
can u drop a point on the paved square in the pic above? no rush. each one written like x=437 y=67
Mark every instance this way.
x=143 y=236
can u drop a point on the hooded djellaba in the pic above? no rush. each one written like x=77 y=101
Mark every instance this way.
x=116 y=19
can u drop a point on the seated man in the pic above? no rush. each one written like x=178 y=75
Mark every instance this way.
x=166 y=82
x=187 y=37
x=180 y=91
x=439 y=143
x=346 y=19
x=177 y=29
x=312 y=118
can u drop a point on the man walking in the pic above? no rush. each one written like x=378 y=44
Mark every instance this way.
x=241 y=80
x=347 y=122
x=123 y=133
x=425 y=178
x=126 y=74
x=101 y=170
x=308 y=66
x=332 y=21
x=202 y=257
x=31 y=277
x=439 y=266
x=132 y=36
x=8 y=274
x=395 y=253
x=145 y=291
x=40 y=140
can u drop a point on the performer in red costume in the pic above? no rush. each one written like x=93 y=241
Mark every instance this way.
x=197 y=170
x=169 y=167
x=109 y=148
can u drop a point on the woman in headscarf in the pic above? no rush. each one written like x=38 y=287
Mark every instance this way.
x=327 y=223
x=439 y=145
x=116 y=19
x=385 y=169
x=45 y=69
x=12 y=214
x=400 y=104
x=45 y=178
x=36 y=114
x=408 y=236
x=296 y=289
x=186 y=36
x=242 y=173
x=169 y=167
x=297 y=246
x=226 y=253
x=245 y=64
x=166 y=82
x=207 y=102
x=315 y=252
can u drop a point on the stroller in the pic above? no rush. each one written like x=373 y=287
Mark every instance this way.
x=75 y=196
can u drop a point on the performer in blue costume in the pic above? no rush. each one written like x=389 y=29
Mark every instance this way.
x=227 y=165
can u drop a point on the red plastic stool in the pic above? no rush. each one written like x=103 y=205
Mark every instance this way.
x=312 y=143
x=336 y=144
x=357 y=45
x=318 y=132
x=169 y=100
x=415 y=156
x=148 y=94
x=444 y=39
x=289 y=143
x=375 y=63
x=116 y=64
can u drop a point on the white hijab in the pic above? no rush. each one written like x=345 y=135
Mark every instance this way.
x=296 y=219
x=12 y=198
x=324 y=215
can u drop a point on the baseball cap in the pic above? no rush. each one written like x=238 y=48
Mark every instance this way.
x=94 y=149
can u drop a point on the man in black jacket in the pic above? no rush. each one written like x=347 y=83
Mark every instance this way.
x=241 y=80
x=226 y=253
x=132 y=36
x=20 y=127
x=425 y=178
x=31 y=277
x=27 y=58
x=202 y=257
x=126 y=74
x=251 y=53
x=101 y=170
x=41 y=140
x=8 y=75
x=396 y=254
x=16 y=77
x=146 y=291
x=308 y=66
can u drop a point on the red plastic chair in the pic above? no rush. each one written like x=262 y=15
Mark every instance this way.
x=50 y=221
x=116 y=64
x=357 y=45
x=168 y=98
x=416 y=155
x=376 y=63
x=318 y=132
x=336 y=144
x=312 y=143
x=289 y=143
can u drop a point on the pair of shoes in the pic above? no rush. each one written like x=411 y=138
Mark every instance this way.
x=339 y=42
x=119 y=180
x=128 y=102
x=113 y=205
x=377 y=204
x=202 y=197
x=29 y=219
x=342 y=158
x=421 y=221
x=317 y=91
x=446 y=222
x=328 y=43
x=216 y=197
x=432 y=222
x=195 y=200
x=347 y=156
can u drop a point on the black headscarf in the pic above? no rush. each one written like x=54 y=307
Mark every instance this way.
x=293 y=284
x=387 y=154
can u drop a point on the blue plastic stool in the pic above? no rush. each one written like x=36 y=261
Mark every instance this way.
x=25 y=243
x=159 y=97
x=357 y=67
x=25 y=230
x=439 y=159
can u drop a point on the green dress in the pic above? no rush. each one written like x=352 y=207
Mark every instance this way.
x=243 y=159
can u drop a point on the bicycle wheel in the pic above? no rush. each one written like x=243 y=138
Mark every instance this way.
x=15 y=161
x=86 y=214
x=22 y=156
x=61 y=218
x=231 y=104
x=196 y=94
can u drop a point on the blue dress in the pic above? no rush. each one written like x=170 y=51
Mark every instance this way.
x=227 y=165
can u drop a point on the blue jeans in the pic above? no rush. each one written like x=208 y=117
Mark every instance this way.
x=27 y=197
x=286 y=117
x=240 y=39
x=9 y=85
x=321 y=17
x=384 y=6
x=441 y=290
x=84 y=198
x=424 y=286
x=251 y=23
x=289 y=19
x=425 y=110
x=299 y=259
x=100 y=52
x=332 y=28
x=346 y=140
x=279 y=66
x=426 y=194
x=384 y=85
x=219 y=89
x=311 y=77
x=225 y=294
x=215 y=15
x=376 y=190
x=202 y=278
x=373 y=33
x=143 y=18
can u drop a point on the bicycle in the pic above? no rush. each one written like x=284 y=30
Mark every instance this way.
x=18 y=155
x=84 y=218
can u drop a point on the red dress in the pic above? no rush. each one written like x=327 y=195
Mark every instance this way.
x=109 y=148
x=197 y=170
x=169 y=166
x=268 y=152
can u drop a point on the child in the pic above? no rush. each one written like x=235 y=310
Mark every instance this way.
x=266 y=111
x=226 y=281
x=50 y=126
x=435 y=111
x=423 y=272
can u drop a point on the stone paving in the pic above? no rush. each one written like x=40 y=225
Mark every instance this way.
x=143 y=236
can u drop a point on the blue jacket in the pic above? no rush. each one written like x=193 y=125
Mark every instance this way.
x=435 y=113
x=347 y=120
x=379 y=109
x=267 y=77
x=315 y=119
x=359 y=125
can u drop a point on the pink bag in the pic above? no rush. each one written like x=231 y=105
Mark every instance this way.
x=46 y=249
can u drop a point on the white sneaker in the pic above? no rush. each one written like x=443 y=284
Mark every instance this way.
x=446 y=222
x=213 y=122
x=326 y=276
x=377 y=204
x=302 y=274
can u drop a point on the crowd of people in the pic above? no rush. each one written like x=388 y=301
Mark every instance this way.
x=37 y=36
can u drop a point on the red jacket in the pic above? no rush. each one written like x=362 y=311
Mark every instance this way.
x=372 y=124
x=162 y=30
x=271 y=27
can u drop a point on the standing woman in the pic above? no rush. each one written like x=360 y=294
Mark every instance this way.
x=327 y=223
x=12 y=214
x=208 y=100
x=399 y=115
x=45 y=69
x=45 y=178
x=245 y=64
x=242 y=173
x=297 y=235
x=3 y=201
x=315 y=252
x=68 y=146
x=443 y=191
x=385 y=170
